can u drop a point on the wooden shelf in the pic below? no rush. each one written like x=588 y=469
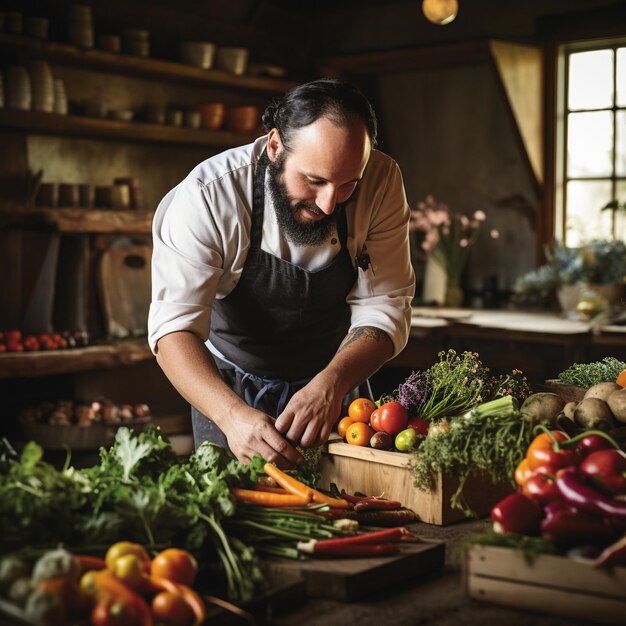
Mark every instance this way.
x=35 y=364
x=79 y=221
x=73 y=125
x=142 y=66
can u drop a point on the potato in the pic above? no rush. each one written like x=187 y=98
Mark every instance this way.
x=593 y=413
x=617 y=404
x=568 y=410
x=542 y=408
x=601 y=390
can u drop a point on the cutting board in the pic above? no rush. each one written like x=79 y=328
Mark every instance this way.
x=348 y=579
x=124 y=289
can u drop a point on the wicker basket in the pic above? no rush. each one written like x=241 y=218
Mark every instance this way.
x=569 y=393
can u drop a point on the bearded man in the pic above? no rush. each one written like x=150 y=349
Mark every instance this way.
x=281 y=276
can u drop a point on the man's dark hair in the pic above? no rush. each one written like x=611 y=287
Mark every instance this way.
x=336 y=100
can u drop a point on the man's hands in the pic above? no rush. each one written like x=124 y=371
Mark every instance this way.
x=254 y=432
x=310 y=414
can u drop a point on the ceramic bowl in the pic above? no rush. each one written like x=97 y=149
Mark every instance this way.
x=198 y=53
x=243 y=119
x=232 y=60
x=213 y=115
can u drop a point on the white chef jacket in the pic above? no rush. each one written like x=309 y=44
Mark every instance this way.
x=201 y=236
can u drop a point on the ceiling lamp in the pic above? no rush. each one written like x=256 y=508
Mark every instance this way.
x=440 y=12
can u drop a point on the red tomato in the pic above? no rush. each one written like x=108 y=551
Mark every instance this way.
x=393 y=417
x=175 y=564
x=375 y=421
x=172 y=609
x=418 y=424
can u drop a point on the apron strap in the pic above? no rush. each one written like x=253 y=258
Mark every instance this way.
x=271 y=385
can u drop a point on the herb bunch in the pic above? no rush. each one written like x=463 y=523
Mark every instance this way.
x=457 y=383
x=481 y=444
x=139 y=491
x=588 y=374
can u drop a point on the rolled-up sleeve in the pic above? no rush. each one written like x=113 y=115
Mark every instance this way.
x=383 y=292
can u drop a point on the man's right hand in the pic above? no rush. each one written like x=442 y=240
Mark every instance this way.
x=253 y=432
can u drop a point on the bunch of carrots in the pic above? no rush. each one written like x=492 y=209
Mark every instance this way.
x=291 y=520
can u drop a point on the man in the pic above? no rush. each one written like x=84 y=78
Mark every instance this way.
x=281 y=275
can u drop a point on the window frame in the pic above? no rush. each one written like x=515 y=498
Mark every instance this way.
x=560 y=119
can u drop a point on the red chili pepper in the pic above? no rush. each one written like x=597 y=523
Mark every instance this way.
x=568 y=528
x=615 y=554
x=607 y=468
x=516 y=513
x=376 y=504
x=89 y=562
x=576 y=491
x=545 y=449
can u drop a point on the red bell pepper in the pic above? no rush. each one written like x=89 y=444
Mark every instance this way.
x=546 y=449
x=516 y=513
x=541 y=488
x=593 y=443
x=568 y=528
x=607 y=468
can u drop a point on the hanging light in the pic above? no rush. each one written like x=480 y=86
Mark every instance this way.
x=440 y=12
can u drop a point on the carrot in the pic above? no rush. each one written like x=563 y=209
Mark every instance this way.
x=272 y=489
x=334 y=503
x=263 y=498
x=289 y=483
x=186 y=593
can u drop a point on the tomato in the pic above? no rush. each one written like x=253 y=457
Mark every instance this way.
x=122 y=548
x=172 y=609
x=343 y=425
x=359 y=434
x=175 y=564
x=393 y=417
x=420 y=425
x=406 y=439
x=129 y=568
x=361 y=409
x=110 y=613
x=375 y=421
x=541 y=488
x=607 y=468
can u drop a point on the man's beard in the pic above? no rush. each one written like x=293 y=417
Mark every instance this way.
x=312 y=233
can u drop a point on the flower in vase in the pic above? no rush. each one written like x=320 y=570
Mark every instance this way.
x=447 y=235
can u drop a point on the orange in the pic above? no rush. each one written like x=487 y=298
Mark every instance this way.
x=343 y=425
x=361 y=409
x=359 y=434
x=621 y=379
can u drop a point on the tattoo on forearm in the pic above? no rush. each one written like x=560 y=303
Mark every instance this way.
x=370 y=333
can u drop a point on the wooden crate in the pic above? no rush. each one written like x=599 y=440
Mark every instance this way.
x=550 y=584
x=378 y=472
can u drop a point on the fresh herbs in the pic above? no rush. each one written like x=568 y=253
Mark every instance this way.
x=531 y=547
x=588 y=374
x=139 y=491
x=412 y=393
x=489 y=443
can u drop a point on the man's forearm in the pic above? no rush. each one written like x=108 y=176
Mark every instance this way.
x=363 y=351
x=190 y=367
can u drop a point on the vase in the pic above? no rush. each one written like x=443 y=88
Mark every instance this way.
x=454 y=295
x=435 y=280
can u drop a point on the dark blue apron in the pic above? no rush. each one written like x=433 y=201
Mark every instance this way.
x=280 y=325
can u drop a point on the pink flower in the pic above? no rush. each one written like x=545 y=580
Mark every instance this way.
x=479 y=216
x=464 y=243
x=494 y=233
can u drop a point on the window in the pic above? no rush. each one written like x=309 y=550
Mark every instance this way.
x=591 y=143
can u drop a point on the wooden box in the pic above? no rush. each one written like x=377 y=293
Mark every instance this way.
x=550 y=584
x=382 y=473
